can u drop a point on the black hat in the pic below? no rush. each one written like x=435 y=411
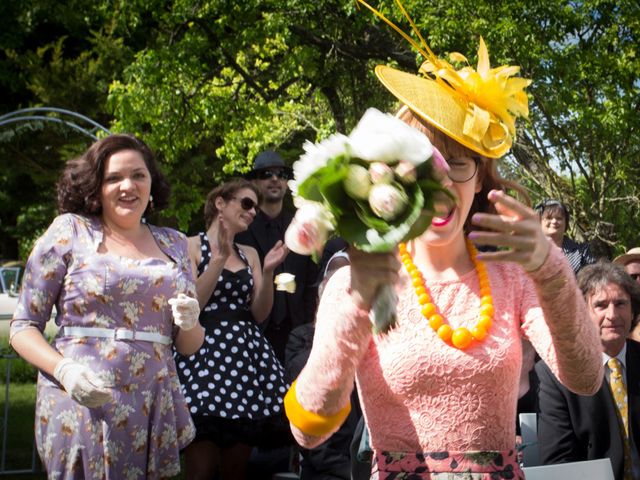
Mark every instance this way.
x=267 y=159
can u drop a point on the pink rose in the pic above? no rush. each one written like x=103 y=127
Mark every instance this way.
x=406 y=172
x=309 y=229
x=380 y=172
x=387 y=202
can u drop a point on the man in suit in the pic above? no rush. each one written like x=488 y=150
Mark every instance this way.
x=631 y=263
x=270 y=175
x=606 y=425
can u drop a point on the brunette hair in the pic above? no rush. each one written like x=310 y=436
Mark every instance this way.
x=226 y=191
x=487 y=167
x=79 y=185
x=550 y=207
x=596 y=276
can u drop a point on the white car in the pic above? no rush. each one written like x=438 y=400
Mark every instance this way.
x=9 y=285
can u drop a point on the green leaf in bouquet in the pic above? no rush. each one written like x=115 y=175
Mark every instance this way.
x=429 y=189
x=351 y=229
x=315 y=185
x=432 y=186
x=332 y=191
x=370 y=219
x=421 y=224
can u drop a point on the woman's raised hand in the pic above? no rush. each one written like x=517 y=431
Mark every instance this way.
x=515 y=230
x=275 y=256
x=225 y=239
x=370 y=271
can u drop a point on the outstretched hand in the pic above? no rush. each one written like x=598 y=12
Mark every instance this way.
x=515 y=230
x=275 y=256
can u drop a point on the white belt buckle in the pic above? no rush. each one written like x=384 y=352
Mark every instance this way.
x=124 y=334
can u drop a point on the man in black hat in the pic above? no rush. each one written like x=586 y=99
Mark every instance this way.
x=270 y=175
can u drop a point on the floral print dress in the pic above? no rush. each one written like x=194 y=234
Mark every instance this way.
x=140 y=433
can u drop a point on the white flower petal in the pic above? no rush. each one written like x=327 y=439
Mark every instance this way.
x=383 y=138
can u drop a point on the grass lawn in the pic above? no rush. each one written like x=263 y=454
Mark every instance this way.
x=20 y=419
x=19 y=446
x=22 y=399
x=20 y=416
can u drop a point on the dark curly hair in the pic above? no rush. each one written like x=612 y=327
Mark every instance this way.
x=226 y=190
x=79 y=185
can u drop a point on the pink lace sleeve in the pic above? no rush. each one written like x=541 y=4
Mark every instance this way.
x=558 y=325
x=342 y=334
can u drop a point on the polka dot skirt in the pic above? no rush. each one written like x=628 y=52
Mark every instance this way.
x=235 y=374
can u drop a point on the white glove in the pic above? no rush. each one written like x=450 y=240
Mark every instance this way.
x=186 y=311
x=81 y=383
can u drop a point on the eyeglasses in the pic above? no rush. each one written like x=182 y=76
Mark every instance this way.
x=268 y=173
x=247 y=203
x=462 y=169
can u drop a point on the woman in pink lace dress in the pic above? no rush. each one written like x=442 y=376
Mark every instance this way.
x=109 y=404
x=439 y=390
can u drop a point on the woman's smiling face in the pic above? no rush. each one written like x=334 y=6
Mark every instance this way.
x=239 y=211
x=451 y=214
x=126 y=187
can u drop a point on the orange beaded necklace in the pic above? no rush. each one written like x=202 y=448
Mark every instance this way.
x=460 y=337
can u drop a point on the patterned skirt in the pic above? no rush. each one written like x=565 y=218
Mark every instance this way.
x=481 y=465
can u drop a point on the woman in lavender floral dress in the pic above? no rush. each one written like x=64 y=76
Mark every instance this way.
x=109 y=403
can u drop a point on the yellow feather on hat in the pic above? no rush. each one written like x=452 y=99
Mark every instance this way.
x=476 y=107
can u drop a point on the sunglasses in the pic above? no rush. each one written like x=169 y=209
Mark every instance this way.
x=268 y=173
x=247 y=203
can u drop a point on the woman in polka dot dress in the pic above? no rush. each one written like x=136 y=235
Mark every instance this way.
x=234 y=385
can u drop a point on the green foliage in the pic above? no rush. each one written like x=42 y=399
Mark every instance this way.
x=20 y=421
x=210 y=84
x=19 y=370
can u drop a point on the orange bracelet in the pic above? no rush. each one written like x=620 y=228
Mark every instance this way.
x=308 y=422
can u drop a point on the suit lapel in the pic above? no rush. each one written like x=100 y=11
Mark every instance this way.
x=633 y=388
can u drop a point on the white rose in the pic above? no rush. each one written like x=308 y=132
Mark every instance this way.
x=316 y=156
x=387 y=201
x=357 y=182
x=380 y=137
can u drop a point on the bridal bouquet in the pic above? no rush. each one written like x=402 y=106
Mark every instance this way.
x=375 y=188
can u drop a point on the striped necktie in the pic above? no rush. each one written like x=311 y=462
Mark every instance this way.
x=619 y=391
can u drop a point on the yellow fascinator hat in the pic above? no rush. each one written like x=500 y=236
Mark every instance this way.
x=475 y=107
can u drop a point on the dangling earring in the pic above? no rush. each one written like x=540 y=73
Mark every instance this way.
x=150 y=202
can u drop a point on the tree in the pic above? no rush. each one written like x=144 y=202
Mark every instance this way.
x=209 y=84
x=60 y=54
x=302 y=68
